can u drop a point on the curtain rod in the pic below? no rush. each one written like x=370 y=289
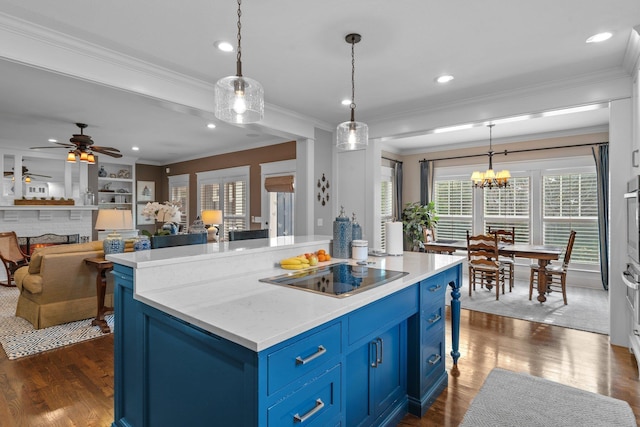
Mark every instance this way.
x=505 y=152
x=391 y=160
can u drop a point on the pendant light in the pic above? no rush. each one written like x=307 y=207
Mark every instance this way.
x=239 y=99
x=489 y=178
x=352 y=135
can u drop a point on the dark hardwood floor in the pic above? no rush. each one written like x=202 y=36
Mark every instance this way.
x=73 y=386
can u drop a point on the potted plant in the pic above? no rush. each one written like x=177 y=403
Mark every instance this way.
x=417 y=221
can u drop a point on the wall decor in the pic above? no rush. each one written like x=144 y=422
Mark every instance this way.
x=323 y=194
x=146 y=191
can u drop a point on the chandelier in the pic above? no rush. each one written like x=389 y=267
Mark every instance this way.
x=489 y=178
x=239 y=99
x=352 y=135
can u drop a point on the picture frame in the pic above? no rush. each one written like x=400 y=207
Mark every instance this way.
x=141 y=219
x=146 y=191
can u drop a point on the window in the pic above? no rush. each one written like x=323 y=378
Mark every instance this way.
x=386 y=203
x=226 y=190
x=509 y=207
x=179 y=194
x=454 y=205
x=570 y=202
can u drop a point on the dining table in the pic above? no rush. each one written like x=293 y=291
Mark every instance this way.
x=542 y=253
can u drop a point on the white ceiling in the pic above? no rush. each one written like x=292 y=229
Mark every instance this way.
x=296 y=49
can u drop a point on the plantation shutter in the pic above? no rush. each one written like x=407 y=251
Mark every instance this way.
x=570 y=203
x=386 y=209
x=509 y=207
x=454 y=207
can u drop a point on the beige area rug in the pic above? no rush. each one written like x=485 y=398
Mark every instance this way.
x=587 y=309
x=517 y=399
x=19 y=338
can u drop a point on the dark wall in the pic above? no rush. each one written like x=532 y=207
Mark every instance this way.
x=252 y=158
x=151 y=173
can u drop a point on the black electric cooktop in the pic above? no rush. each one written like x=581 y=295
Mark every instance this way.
x=336 y=280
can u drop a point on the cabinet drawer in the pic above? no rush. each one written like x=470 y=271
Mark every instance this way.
x=433 y=317
x=315 y=404
x=432 y=291
x=433 y=358
x=392 y=310
x=302 y=357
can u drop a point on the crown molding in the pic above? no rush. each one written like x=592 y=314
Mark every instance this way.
x=631 y=61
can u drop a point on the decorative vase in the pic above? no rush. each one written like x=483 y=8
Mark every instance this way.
x=102 y=173
x=172 y=227
x=142 y=243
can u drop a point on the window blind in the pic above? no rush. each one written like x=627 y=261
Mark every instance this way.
x=386 y=210
x=509 y=207
x=454 y=206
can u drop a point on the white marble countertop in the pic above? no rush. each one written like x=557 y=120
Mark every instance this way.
x=235 y=305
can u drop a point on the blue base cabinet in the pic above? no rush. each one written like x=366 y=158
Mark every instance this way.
x=366 y=368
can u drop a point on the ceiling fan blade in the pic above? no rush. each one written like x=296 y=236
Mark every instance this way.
x=53 y=146
x=108 y=153
x=99 y=147
x=38 y=175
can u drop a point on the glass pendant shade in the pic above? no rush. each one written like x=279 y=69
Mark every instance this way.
x=84 y=157
x=71 y=157
x=239 y=100
x=352 y=136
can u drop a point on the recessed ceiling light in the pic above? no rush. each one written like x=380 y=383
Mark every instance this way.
x=444 y=79
x=134 y=148
x=224 y=46
x=52 y=140
x=211 y=126
x=600 y=37
x=346 y=102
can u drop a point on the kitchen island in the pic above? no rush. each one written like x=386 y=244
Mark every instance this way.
x=200 y=340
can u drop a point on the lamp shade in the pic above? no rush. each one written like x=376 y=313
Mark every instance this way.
x=212 y=217
x=114 y=219
x=352 y=136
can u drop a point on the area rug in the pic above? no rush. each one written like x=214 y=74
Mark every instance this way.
x=517 y=399
x=19 y=338
x=587 y=309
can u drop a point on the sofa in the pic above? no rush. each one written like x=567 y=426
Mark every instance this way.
x=58 y=286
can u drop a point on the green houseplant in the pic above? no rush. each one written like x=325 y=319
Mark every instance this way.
x=416 y=219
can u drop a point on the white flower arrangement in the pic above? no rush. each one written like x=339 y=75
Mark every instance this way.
x=162 y=212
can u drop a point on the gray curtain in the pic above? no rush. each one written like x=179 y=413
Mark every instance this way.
x=397 y=203
x=601 y=157
x=426 y=181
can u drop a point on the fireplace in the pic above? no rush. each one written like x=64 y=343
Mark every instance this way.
x=31 y=243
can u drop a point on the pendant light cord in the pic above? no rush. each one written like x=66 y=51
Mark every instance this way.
x=353 y=80
x=239 y=55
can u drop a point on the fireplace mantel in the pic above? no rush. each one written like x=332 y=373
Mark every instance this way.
x=41 y=219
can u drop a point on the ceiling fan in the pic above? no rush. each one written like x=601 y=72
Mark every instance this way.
x=26 y=175
x=82 y=146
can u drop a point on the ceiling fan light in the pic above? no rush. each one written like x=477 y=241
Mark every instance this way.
x=27 y=179
x=91 y=159
x=84 y=157
x=71 y=157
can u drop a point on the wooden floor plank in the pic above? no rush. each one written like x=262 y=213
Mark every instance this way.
x=73 y=386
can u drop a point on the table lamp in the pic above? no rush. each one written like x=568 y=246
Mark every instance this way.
x=113 y=220
x=211 y=219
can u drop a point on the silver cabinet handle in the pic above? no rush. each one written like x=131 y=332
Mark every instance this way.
x=435 y=359
x=381 y=350
x=321 y=350
x=434 y=318
x=374 y=364
x=435 y=288
x=300 y=419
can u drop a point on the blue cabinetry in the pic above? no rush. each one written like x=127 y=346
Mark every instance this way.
x=367 y=367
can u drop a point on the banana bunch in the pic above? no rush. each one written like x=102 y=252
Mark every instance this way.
x=295 y=263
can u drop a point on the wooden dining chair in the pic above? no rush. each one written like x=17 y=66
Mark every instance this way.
x=509 y=262
x=11 y=255
x=483 y=263
x=556 y=274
